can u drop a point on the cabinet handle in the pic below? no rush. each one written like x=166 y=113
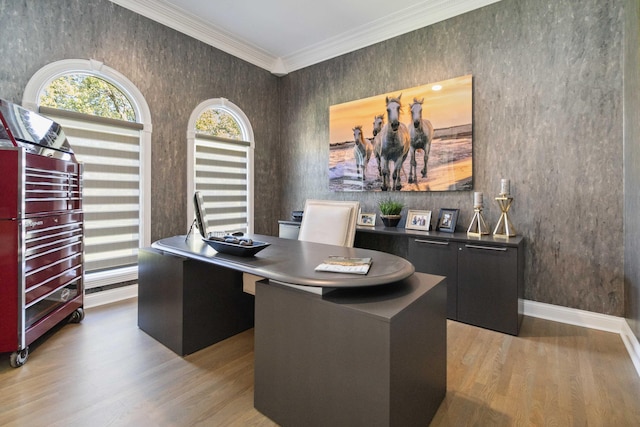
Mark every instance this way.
x=489 y=248
x=432 y=242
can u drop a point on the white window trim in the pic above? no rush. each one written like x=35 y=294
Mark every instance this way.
x=43 y=78
x=247 y=135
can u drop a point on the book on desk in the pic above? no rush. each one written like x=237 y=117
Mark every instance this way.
x=340 y=264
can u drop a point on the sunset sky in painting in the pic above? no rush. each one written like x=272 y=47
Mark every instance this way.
x=451 y=106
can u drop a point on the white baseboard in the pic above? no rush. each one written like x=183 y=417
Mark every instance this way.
x=113 y=295
x=588 y=319
x=573 y=316
x=633 y=346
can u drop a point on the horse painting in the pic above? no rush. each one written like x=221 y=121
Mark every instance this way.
x=394 y=143
x=421 y=132
x=361 y=151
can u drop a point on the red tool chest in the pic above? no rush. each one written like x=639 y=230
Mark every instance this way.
x=41 y=230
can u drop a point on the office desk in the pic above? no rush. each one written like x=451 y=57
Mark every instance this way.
x=293 y=261
x=371 y=352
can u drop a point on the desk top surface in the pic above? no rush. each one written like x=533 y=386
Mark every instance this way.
x=294 y=261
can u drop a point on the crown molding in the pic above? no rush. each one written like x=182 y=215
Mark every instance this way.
x=402 y=22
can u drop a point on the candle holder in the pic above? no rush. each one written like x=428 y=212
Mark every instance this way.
x=478 y=226
x=504 y=228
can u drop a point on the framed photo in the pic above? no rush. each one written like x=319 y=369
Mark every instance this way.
x=368 y=219
x=447 y=219
x=418 y=220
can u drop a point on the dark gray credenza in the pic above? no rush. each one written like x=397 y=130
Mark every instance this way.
x=485 y=275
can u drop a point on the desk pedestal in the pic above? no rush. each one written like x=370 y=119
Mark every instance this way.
x=188 y=305
x=358 y=357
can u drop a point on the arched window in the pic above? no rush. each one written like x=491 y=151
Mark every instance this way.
x=220 y=165
x=107 y=123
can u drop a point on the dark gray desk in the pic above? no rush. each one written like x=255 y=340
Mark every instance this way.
x=293 y=261
x=371 y=352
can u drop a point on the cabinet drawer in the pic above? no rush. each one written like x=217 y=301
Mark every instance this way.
x=48 y=303
x=45 y=281
x=51 y=185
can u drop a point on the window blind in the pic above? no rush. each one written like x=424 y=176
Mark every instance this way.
x=221 y=177
x=110 y=153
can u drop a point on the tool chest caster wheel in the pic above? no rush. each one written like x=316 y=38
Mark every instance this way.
x=19 y=358
x=77 y=315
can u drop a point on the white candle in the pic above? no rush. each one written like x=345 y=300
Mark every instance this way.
x=504 y=186
x=477 y=198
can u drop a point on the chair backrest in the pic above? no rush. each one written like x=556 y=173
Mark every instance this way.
x=329 y=221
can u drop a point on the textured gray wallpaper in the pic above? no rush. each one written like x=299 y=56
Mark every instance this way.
x=632 y=164
x=547 y=115
x=174 y=73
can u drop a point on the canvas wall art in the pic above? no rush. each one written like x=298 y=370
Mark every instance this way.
x=415 y=139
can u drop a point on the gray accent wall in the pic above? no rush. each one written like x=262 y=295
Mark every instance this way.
x=173 y=71
x=548 y=115
x=553 y=111
x=632 y=164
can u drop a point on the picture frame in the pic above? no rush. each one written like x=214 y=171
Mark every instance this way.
x=447 y=219
x=418 y=220
x=366 y=219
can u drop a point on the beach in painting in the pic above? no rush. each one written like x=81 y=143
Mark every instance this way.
x=449 y=168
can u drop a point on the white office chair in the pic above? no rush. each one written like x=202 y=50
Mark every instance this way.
x=329 y=221
x=323 y=221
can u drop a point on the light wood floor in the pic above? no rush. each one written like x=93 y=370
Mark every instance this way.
x=106 y=372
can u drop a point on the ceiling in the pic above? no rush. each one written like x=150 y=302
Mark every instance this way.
x=285 y=35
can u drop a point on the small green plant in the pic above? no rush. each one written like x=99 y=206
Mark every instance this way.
x=390 y=207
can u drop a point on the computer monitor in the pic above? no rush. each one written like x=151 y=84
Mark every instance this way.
x=201 y=216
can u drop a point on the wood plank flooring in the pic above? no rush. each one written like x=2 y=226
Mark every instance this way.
x=106 y=372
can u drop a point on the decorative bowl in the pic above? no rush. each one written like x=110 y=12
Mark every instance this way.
x=236 y=248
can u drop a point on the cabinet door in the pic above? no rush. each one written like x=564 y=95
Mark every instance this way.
x=438 y=257
x=488 y=286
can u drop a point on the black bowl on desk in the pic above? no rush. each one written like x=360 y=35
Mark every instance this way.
x=236 y=248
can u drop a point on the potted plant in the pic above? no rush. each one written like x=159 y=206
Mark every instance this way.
x=390 y=212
